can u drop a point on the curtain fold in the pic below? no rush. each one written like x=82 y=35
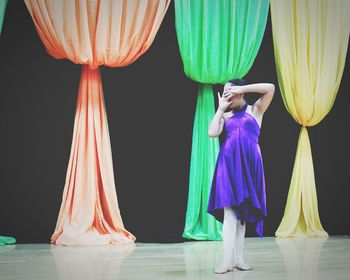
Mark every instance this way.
x=310 y=44
x=89 y=198
x=218 y=41
x=93 y=33
x=111 y=33
x=3 y=4
x=201 y=170
x=7 y=240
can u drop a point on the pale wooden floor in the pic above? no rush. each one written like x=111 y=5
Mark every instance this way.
x=270 y=259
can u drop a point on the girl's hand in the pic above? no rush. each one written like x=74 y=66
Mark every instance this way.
x=224 y=101
x=234 y=90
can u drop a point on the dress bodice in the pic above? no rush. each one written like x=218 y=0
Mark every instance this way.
x=243 y=124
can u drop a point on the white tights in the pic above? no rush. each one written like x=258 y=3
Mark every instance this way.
x=233 y=242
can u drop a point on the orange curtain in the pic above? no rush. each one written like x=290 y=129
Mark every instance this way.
x=113 y=33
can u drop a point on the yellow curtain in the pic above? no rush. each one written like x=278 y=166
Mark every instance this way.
x=92 y=33
x=310 y=42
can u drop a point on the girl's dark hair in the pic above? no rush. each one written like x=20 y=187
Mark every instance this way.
x=237 y=82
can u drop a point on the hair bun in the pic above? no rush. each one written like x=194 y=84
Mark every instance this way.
x=237 y=82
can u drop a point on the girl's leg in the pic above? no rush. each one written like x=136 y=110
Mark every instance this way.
x=228 y=235
x=239 y=245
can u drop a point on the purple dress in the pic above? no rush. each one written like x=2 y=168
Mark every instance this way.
x=238 y=179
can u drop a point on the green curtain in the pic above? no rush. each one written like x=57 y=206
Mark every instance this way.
x=218 y=41
x=4 y=240
x=7 y=240
x=3 y=4
x=200 y=225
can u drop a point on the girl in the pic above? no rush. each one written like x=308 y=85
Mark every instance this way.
x=238 y=188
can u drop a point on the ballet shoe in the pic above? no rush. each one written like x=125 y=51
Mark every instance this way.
x=223 y=269
x=241 y=265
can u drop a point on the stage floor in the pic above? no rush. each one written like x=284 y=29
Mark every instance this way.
x=270 y=259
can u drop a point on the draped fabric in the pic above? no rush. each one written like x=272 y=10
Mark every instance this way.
x=4 y=240
x=7 y=240
x=310 y=41
x=93 y=33
x=109 y=32
x=198 y=225
x=3 y=4
x=218 y=41
x=95 y=204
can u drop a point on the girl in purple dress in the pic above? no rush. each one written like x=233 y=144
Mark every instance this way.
x=238 y=188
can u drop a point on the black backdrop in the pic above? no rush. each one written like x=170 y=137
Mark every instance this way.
x=150 y=106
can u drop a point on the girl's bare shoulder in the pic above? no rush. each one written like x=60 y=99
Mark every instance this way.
x=227 y=115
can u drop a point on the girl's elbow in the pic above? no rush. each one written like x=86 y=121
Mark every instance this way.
x=212 y=135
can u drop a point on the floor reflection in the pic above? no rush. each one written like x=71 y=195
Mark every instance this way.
x=4 y=249
x=200 y=259
x=270 y=258
x=301 y=256
x=96 y=262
